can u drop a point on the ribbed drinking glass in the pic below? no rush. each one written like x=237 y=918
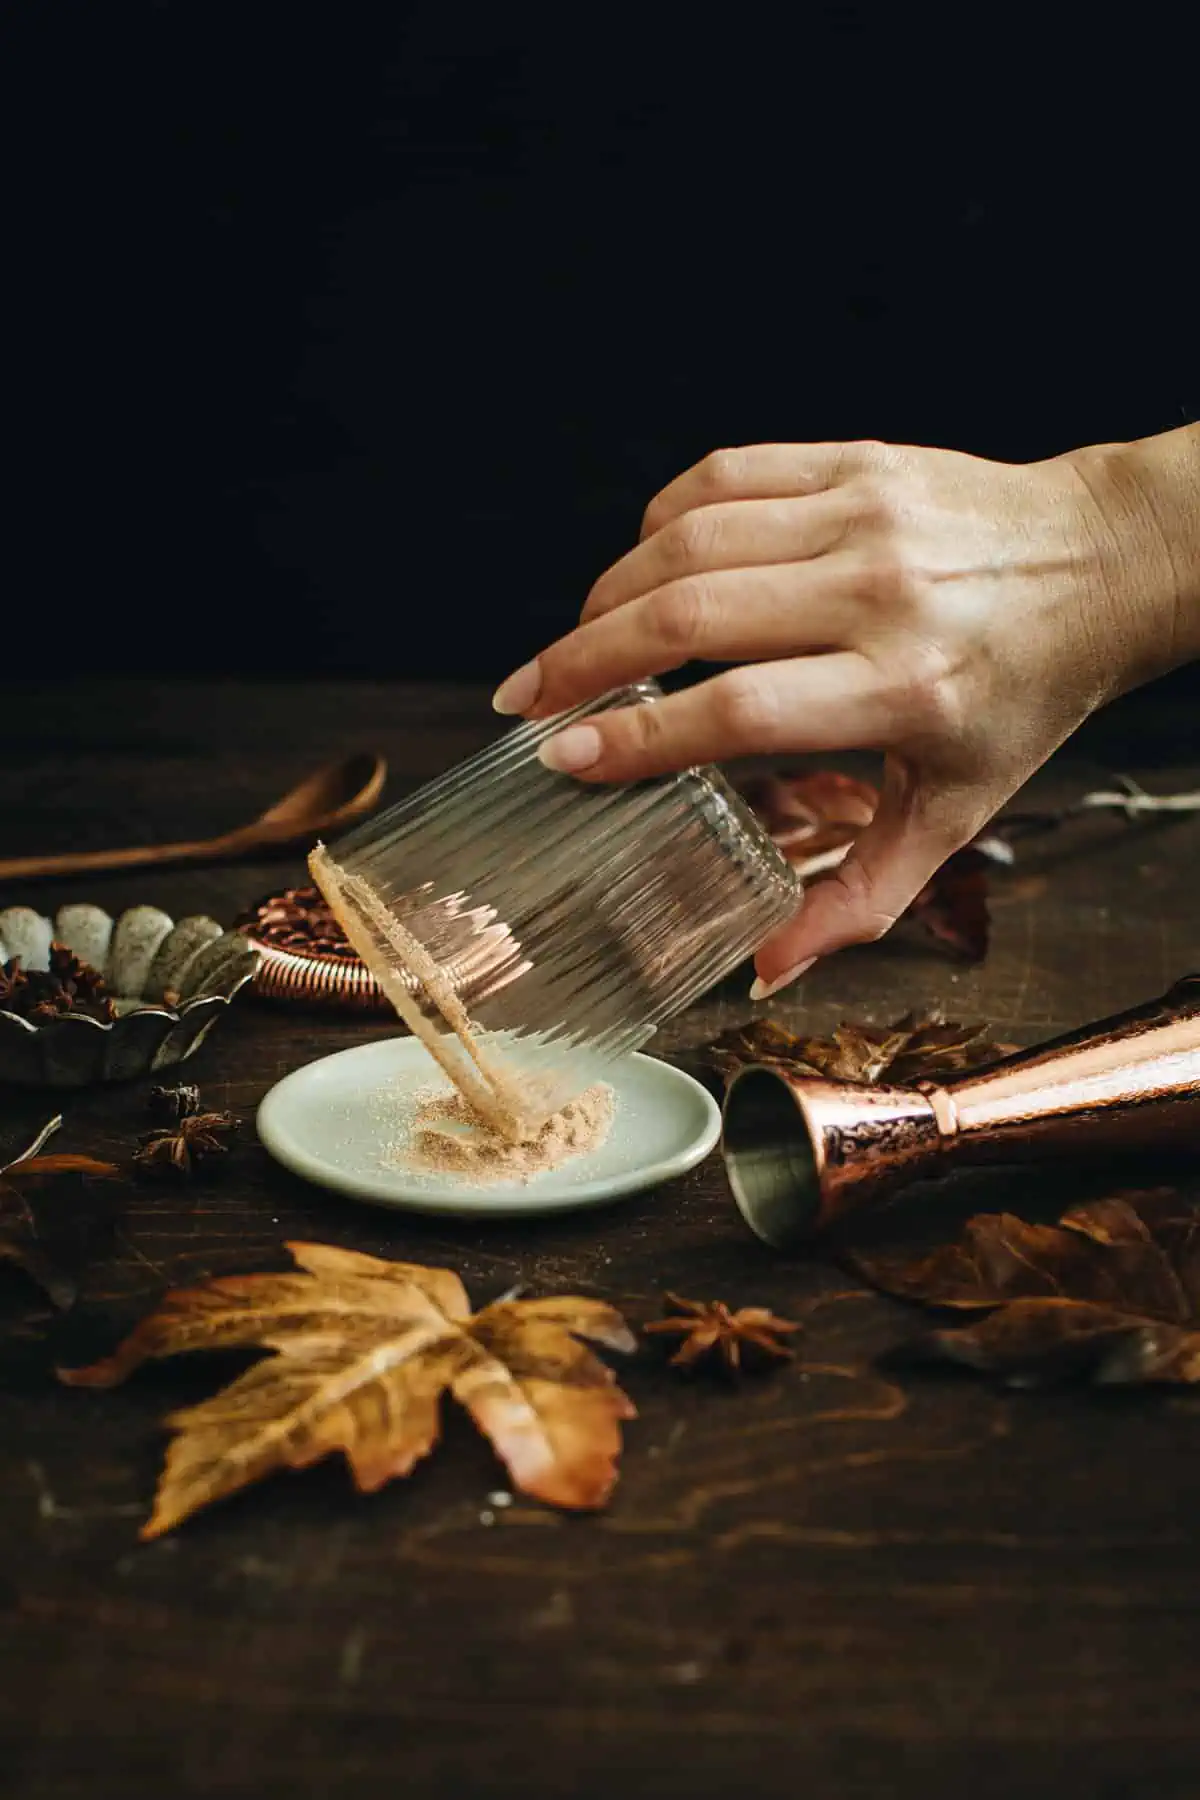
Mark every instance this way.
x=572 y=920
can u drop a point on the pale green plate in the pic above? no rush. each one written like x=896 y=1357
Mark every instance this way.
x=333 y=1122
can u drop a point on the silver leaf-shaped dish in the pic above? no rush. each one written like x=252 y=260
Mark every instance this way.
x=144 y=956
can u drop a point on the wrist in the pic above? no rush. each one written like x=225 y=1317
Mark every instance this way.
x=1145 y=522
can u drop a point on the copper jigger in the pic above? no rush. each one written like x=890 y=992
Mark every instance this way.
x=801 y=1153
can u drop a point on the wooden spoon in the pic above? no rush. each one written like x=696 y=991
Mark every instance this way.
x=333 y=796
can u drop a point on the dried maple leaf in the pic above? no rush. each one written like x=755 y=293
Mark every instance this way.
x=365 y=1349
x=1111 y=1292
x=910 y=1049
x=20 y=1237
x=191 y=1138
x=710 y=1328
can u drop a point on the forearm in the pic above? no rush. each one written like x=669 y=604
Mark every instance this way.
x=1149 y=495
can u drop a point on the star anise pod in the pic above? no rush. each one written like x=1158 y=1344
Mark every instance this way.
x=174 y=1102
x=52 y=1007
x=67 y=985
x=187 y=1142
x=710 y=1329
x=75 y=974
x=13 y=980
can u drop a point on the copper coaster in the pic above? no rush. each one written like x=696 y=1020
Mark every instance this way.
x=306 y=957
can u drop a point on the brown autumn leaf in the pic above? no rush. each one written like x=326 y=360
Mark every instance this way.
x=365 y=1349
x=953 y=907
x=25 y=1237
x=813 y=819
x=910 y=1049
x=711 y=1329
x=1111 y=1293
x=809 y=816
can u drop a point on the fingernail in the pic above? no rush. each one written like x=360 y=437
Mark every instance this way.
x=572 y=750
x=519 y=692
x=764 y=990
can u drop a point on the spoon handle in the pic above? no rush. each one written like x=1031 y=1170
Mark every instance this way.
x=76 y=862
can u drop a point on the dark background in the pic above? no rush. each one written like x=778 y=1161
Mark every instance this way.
x=356 y=342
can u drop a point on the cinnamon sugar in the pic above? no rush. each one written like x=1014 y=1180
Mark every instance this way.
x=448 y=1137
x=369 y=924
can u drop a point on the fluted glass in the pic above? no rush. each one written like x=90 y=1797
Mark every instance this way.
x=572 y=920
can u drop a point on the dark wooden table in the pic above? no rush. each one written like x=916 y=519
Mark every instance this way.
x=832 y=1583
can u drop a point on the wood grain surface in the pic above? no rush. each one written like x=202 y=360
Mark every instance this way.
x=832 y=1582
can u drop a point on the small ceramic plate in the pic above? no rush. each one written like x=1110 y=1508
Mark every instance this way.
x=335 y=1122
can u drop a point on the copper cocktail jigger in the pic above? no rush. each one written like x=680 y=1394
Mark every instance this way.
x=802 y=1152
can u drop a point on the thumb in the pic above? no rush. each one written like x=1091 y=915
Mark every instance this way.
x=913 y=832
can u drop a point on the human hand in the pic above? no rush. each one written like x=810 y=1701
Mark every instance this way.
x=962 y=615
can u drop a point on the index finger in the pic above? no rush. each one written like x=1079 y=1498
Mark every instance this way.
x=750 y=472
